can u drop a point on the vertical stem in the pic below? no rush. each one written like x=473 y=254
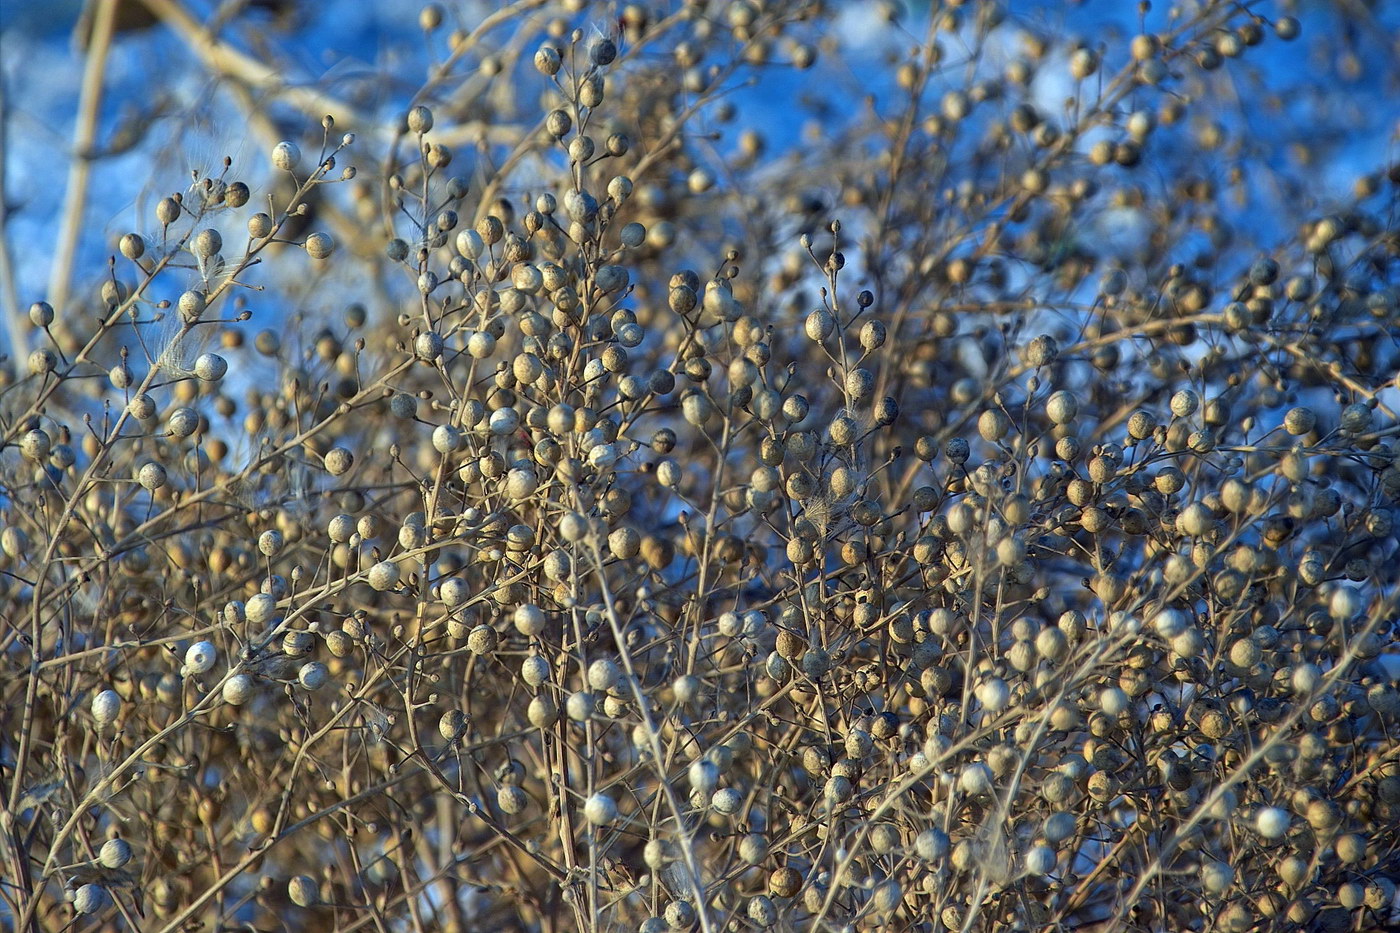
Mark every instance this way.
x=80 y=162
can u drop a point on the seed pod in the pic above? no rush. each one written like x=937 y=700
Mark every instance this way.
x=419 y=120
x=383 y=575
x=547 y=60
x=106 y=705
x=319 y=245
x=151 y=476
x=200 y=658
x=303 y=891
x=600 y=810
x=90 y=898
x=1061 y=407
x=542 y=712
x=1272 y=822
x=210 y=367
x=114 y=854
x=511 y=799
x=313 y=675
x=286 y=156
x=238 y=689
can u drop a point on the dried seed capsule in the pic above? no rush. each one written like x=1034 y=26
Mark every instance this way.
x=286 y=156
x=383 y=575
x=106 y=705
x=303 y=891
x=319 y=245
x=600 y=810
x=238 y=689
x=200 y=658
x=114 y=853
x=90 y=898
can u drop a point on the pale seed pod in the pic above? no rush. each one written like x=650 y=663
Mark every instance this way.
x=383 y=576
x=151 y=476
x=210 y=367
x=200 y=658
x=207 y=243
x=1184 y=403
x=1061 y=407
x=932 y=845
x=512 y=799
x=286 y=156
x=1040 y=860
x=90 y=898
x=482 y=640
x=419 y=120
x=1272 y=822
x=600 y=810
x=114 y=853
x=303 y=891
x=238 y=689
x=547 y=60
x=542 y=712
x=106 y=706
x=260 y=608
x=313 y=675
x=530 y=620
x=534 y=670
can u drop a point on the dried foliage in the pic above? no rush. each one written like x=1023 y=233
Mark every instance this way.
x=969 y=518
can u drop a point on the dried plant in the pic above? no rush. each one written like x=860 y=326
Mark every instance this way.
x=568 y=507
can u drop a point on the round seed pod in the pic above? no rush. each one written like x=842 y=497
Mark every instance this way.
x=521 y=484
x=303 y=891
x=182 y=422
x=975 y=779
x=200 y=658
x=42 y=361
x=319 y=245
x=383 y=575
x=238 y=689
x=482 y=640
x=106 y=705
x=313 y=675
x=542 y=712
x=534 y=670
x=114 y=853
x=512 y=799
x=271 y=542
x=784 y=882
x=35 y=445
x=727 y=801
x=261 y=608
x=1217 y=876
x=762 y=911
x=547 y=60
x=1061 y=407
x=581 y=705
x=151 y=476
x=419 y=120
x=451 y=724
x=600 y=810
x=932 y=845
x=530 y=620
x=338 y=461
x=210 y=367
x=1040 y=860
x=603 y=674
x=1272 y=822
x=89 y=898
x=286 y=156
